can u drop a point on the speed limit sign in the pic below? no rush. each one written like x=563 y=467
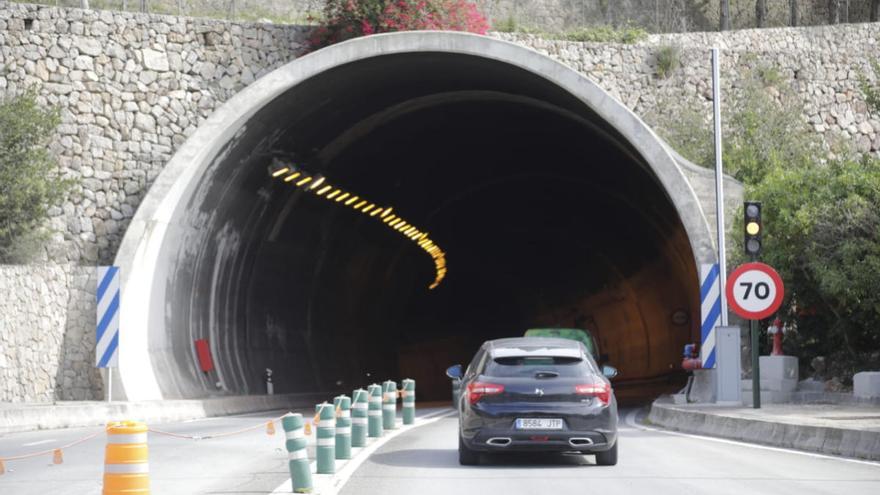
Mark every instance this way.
x=754 y=291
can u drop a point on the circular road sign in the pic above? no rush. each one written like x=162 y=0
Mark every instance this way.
x=754 y=291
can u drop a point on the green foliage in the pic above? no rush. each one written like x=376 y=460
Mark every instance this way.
x=29 y=182
x=508 y=25
x=667 y=60
x=821 y=215
x=822 y=233
x=607 y=34
x=871 y=91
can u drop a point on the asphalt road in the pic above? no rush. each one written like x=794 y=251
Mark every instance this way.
x=424 y=461
x=252 y=462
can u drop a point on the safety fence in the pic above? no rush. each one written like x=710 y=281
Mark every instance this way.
x=340 y=425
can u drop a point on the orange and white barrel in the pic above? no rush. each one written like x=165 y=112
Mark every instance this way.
x=126 y=470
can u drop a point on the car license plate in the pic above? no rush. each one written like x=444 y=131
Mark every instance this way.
x=538 y=424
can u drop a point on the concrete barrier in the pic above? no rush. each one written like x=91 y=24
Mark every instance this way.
x=27 y=417
x=863 y=444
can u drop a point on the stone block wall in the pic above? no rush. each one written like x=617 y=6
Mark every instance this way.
x=822 y=64
x=47 y=336
x=131 y=88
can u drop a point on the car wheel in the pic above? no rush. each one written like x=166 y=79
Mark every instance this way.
x=607 y=458
x=466 y=456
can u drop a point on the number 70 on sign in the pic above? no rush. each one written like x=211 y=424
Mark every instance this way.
x=754 y=291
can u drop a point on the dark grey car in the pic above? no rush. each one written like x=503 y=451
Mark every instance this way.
x=536 y=394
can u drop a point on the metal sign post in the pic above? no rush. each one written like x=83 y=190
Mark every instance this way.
x=755 y=292
x=107 y=329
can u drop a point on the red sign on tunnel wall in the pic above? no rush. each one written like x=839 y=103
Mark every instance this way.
x=206 y=362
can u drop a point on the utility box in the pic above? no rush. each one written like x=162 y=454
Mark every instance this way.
x=727 y=365
x=866 y=385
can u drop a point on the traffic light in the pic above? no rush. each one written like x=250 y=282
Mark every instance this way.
x=753 y=228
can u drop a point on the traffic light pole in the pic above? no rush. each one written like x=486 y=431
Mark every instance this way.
x=756 y=371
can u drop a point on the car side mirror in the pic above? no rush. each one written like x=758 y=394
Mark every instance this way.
x=454 y=372
x=609 y=371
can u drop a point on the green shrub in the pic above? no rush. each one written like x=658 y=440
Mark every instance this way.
x=871 y=91
x=606 y=34
x=508 y=25
x=29 y=181
x=667 y=59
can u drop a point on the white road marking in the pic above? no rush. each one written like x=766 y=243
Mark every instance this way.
x=335 y=482
x=41 y=442
x=631 y=421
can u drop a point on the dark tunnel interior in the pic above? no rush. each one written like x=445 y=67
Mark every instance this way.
x=547 y=216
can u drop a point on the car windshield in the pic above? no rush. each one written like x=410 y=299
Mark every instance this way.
x=526 y=366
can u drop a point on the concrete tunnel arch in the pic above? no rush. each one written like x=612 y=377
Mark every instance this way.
x=213 y=222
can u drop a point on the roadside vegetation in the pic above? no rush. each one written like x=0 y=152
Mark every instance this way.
x=347 y=19
x=594 y=34
x=821 y=215
x=29 y=181
x=871 y=89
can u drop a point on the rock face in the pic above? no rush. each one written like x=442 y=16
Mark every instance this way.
x=131 y=87
x=47 y=334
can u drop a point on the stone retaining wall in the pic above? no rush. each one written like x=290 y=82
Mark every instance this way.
x=47 y=336
x=132 y=87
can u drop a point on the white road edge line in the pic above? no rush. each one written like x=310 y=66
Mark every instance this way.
x=41 y=442
x=631 y=421
x=333 y=483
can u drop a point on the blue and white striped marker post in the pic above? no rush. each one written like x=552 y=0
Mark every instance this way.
x=710 y=312
x=107 y=330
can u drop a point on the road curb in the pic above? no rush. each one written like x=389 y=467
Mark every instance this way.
x=860 y=444
x=28 y=417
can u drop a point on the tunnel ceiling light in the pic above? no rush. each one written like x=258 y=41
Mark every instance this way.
x=281 y=171
x=320 y=186
x=317 y=183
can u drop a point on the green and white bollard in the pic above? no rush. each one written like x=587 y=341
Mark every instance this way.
x=374 y=412
x=409 y=401
x=326 y=438
x=297 y=455
x=389 y=406
x=359 y=418
x=343 y=427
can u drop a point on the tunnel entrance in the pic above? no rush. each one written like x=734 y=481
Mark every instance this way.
x=554 y=205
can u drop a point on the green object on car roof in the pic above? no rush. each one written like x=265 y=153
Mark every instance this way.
x=568 y=333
